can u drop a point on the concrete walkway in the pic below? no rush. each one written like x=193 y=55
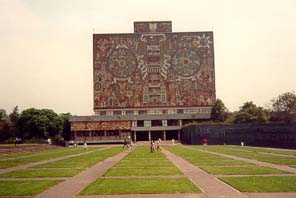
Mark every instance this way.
x=213 y=187
x=71 y=187
x=21 y=167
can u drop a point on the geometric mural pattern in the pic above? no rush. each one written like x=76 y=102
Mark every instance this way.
x=100 y=126
x=153 y=69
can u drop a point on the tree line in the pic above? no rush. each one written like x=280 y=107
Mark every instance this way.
x=282 y=109
x=34 y=124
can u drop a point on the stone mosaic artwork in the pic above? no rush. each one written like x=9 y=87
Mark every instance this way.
x=100 y=126
x=153 y=70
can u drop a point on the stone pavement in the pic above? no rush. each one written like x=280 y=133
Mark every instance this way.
x=6 y=170
x=212 y=187
x=72 y=186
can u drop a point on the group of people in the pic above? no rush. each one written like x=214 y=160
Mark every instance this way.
x=152 y=145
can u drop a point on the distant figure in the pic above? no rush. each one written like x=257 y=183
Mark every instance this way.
x=152 y=148
x=130 y=144
x=85 y=145
x=16 y=141
x=205 y=143
x=75 y=144
x=158 y=145
x=125 y=144
x=242 y=144
x=173 y=141
x=49 y=141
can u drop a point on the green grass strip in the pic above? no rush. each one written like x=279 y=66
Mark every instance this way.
x=140 y=186
x=142 y=163
x=282 y=160
x=25 y=188
x=31 y=173
x=248 y=170
x=265 y=150
x=83 y=161
x=46 y=156
x=201 y=158
x=143 y=171
x=262 y=184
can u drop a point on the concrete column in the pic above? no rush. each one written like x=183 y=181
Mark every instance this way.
x=164 y=135
x=135 y=136
x=180 y=122
x=105 y=133
x=179 y=133
x=149 y=135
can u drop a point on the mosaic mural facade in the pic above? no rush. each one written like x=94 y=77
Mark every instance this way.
x=153 y=69
x=100 y=126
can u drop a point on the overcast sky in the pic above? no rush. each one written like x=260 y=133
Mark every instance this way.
x=46 y=47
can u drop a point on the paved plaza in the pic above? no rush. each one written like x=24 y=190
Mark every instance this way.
x=107 y=166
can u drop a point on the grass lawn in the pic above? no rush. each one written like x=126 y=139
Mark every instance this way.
x=282 y=160
x=30 y=153
x=144 y=163
x=265 y=150
x=23 y=188
x=247 y=170
x=145 y=171
x=31 y=173
x=201 y=158
x=47 y=155
x=140 y=186
x=83 y=161
x=262 y=184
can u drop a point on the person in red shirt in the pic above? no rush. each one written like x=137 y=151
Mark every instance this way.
x=205 y=143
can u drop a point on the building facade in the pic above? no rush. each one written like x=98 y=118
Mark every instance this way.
x=148 y=84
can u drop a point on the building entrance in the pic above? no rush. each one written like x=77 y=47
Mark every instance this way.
x=172 y=135
x=142 y=135
x=155 y=135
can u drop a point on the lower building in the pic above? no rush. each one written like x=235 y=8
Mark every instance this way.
x=138 y=125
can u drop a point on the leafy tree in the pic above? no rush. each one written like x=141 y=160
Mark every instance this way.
x=3 y=114
x=284 y=106
x=4 y=125
x=219 y=111
x=66 y=125
x=250 y=113
x=14 y=117
x=42 y=123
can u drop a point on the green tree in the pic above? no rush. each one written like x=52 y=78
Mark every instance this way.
x=219 y=111
x=4 y=126
x=250 y=113
x=14 y=117
x=284 y=107
x=66 y=125
x=36 y=123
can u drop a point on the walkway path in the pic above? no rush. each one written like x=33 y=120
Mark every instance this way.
x=6 y=170
x=276 y=166
x=72 y=186
x=213 y=187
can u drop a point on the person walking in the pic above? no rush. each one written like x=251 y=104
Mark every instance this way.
x=158 y=145
x=85 y=145
x=152 y=148
x=205 y=143
x=125 y=144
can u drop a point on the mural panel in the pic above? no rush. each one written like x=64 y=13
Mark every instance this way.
x=153 y=70
x=100 y=126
